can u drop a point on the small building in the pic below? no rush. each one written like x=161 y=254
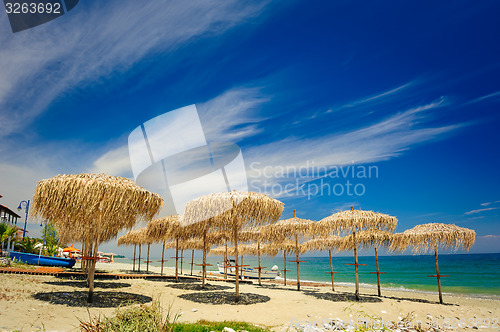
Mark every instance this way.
x=7 y=215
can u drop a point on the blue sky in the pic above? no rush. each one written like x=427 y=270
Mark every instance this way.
x=411 y=88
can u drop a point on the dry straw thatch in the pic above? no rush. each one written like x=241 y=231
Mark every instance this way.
x=77 y=201
x=230 y=211
x=330 y=243
x=289 y=228
x=229 y=208
x=166 y=228
x=288 y=247
x=423 y=238
x=294 y=228
x=92 y=208
x=324 y=243
x=366 y=239
x=375 y=238
x=354 y=221
x=131 y=238
x=163 y=230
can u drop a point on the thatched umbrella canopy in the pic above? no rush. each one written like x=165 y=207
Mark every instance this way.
x=291 y=228
x=353 y=221
x=144 y=238
x=288 y=247
x=219 y=237
x=219 y=251
x=192 y=244
x=132 y=238
x=333 y=242
x=370 y=238
x=91 y=208
x=231 y=211
x=257 y=235
x=246 y=249
x=426 y=237
x=163 y=230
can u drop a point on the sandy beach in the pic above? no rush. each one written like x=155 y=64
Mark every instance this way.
x=27 y=303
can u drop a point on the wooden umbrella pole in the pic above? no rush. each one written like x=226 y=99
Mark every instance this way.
x=225 y=261
x=84 y=250
x=88 y=264
x=162 y=257
x=182 y=259
x=192 y=261
x=177 y=259
x=284 y=263
x=147 y=260
x=237 y=288
x=297 y=257
x=378 y=272
x=356 y=265
x=241 y=269
x=204 y=266
x=93 y=262
x=133 y=264
x=437 y=274
x=91 y=272
x=331 y=267
x=139 y=264
x=258 y=252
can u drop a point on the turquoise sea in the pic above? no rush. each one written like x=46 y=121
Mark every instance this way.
x=470 y=274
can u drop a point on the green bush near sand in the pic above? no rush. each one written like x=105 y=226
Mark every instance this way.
x=151 y=318
x=206 y=326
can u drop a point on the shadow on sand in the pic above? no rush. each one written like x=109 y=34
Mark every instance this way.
x=342 y=297
x=197 y=286
x=100 y=299
x=83 y=284
x=225 y=298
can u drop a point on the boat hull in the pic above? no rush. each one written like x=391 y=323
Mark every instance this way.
x=42 y=260
x=249 y=273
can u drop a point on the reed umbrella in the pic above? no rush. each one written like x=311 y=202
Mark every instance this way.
x=288 y=247
x=165 y=229
x=295 y=228
x=354 y=221
x=192 y=244
x=129 y=239
x=92 y=208
x=256 y=249
x=424 y=238
x=325 y=243
x=144 y=238
x=231 y=211
x=258 y=235
x=370 y=238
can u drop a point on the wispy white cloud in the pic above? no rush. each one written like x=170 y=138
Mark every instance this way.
x=486 y=97
x=382 y=140
x=41 y=64
x=233 y=115
x=382 y=95
x=481 y=210
x=489 y=236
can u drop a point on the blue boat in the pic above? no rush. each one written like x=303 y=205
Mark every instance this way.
x=42 y=260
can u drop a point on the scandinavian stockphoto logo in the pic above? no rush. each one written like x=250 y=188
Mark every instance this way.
x=31 y=13
x=170 y=155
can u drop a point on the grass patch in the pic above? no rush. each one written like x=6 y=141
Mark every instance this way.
x=206 y=326
x=152 y=318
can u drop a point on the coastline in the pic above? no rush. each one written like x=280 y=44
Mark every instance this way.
x=286 y=308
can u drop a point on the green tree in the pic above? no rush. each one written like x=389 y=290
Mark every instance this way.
x=51 y=239
x=7 y=232
x=28 y=245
